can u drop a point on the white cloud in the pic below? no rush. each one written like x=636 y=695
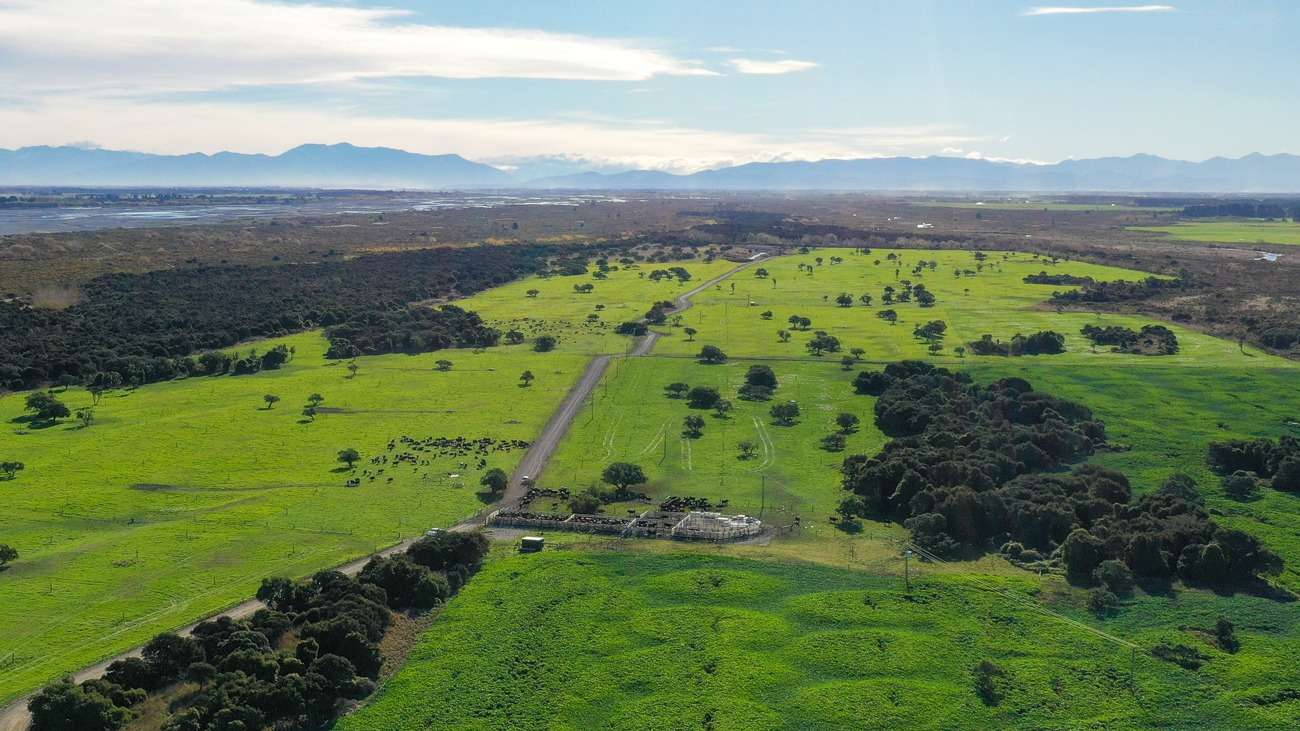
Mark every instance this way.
x=179 y=127
x=783 y=66
x=151 y=46
x=1091 y=10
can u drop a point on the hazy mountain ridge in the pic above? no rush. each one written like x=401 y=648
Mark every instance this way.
x=345 y=165
x=340 y=165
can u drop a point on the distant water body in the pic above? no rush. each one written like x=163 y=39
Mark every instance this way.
x=93 y=218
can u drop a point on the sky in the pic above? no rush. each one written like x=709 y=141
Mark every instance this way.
x=559 y=86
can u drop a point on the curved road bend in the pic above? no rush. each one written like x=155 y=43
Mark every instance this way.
x=15 y=717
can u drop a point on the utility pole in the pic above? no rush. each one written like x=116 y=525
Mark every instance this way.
x=762 y=505
x=907 y=569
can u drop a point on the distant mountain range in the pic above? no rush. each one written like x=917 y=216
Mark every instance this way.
x=344 y=165
x=307 y=166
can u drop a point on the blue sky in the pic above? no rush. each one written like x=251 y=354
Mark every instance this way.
x=557 y=86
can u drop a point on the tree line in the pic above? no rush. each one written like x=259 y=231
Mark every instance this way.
x=147 y=327
x=293 y=665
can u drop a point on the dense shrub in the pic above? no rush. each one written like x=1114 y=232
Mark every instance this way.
x=1044 y=342
x=968 y=466
x=1151 y=340
x=1278 y=463
x=244 y=681
x=145 y=327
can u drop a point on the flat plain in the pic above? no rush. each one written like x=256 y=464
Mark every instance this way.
x=1232 y=232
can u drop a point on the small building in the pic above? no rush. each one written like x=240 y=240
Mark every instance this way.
x=531 y=544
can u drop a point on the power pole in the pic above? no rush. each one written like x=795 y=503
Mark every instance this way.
x=762 y=505
x=907 y=570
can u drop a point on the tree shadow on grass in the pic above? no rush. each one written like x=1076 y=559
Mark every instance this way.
x=32 y=422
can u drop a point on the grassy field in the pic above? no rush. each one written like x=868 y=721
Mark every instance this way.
x=635 y=640
x=790 y=474
x=1232 y=232
x=1167 y=408
x=993 y=301
x=625 y=295
x=183 y=495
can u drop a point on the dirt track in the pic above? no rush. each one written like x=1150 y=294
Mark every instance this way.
x=15 y=717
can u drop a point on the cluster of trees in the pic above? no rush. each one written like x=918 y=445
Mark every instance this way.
x=413 y=329
x=145 y=327
x=1243 y=209
x=678 y=273
x=1246 y=463
x=906 y=293
x=1057 y=279
x=1043 y=342
x=972 y=466
x=1121 y=290
x=330 y=625
x=1151 y=340
x=217 y=363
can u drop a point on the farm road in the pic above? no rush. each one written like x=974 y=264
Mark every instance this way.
x=15 y=717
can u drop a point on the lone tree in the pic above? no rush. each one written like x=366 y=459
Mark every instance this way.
x=526 y=379
x=623 y=475
x=786 y=413
x=747 y=449
x=270 y=400
x=761 y=375
x=676 y=390
x=533 y=292
x=495 y=480
x=352 y=369
x=783 y=335
x=690 y=334
x=888 y=316
x=721 y=408
x=349 y=456
x=86 y=417
x=11 y=469
x=442 y=365
x=514 y=337
x=46 y=407
x=7 y=553
x=693 y=426
x=703 y=397
x=847 y=422
x=315 y=400
x=544 y=344
x=712 y=354
x=844 y=299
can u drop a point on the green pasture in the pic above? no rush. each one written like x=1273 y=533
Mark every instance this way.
x=790 y=473
x=994 y=301
x=574 y=639
x=1231 y=232
x=183 y=495
x=557 y=310
x=1166 y=409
